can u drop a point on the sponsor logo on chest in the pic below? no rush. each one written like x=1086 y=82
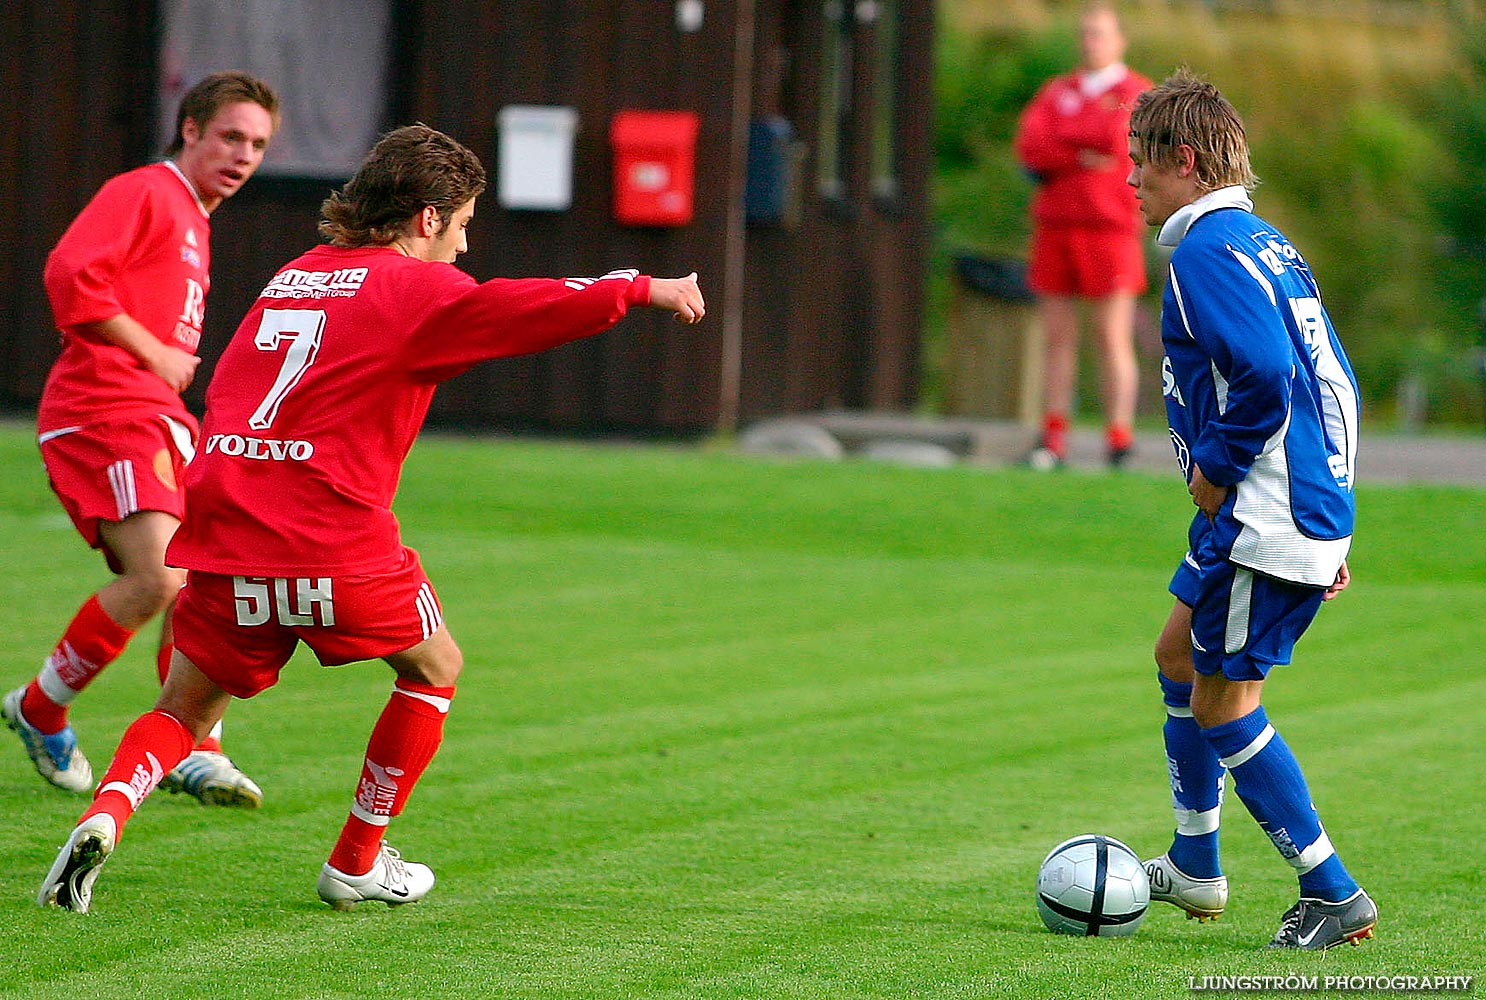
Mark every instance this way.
x=296 y=284
x=260 y=449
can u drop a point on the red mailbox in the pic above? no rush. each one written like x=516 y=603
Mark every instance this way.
x=654 y=166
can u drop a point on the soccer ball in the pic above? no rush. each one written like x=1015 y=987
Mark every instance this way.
x=1092 y=885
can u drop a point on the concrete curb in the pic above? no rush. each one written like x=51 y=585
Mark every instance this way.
x=1454 y=461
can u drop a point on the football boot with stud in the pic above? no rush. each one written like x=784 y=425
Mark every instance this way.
x=391 y=880
x=69 y=884
x=1315 y=924
x=213 y=778
x=55 y=755
x=1202 y=899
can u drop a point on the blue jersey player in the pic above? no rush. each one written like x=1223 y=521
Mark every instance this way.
x=1263 y=410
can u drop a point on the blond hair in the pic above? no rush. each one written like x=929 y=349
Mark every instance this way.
x=1185 y=110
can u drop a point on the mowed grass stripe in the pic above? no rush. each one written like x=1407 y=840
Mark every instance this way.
x=738 y=728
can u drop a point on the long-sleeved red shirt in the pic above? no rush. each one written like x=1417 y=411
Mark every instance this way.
x=141 y=246
x=319 y=396
x=1059 y=122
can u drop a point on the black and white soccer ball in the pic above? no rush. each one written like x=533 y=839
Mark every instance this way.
x=1092 y=885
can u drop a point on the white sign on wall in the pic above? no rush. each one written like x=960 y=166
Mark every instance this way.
x=536 y=157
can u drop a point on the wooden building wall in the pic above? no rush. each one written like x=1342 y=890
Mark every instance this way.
x=70 y=119
x=825 y=312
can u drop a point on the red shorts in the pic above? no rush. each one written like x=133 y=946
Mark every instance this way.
x=1090 y=263
x=106 y=472
x=241 y=630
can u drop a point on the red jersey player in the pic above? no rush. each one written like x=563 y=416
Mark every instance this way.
x=128 y=284
x=1086 y=231
x=291 y=538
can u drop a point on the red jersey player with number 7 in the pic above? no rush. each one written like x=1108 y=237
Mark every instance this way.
x=290 y=536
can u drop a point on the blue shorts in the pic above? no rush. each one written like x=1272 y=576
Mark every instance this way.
x=1242 y=623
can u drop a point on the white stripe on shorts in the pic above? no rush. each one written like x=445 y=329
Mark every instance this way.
x=52 y=435
x=180 y=436
x=1240 y=602
x=121 y=480
x=428 y=611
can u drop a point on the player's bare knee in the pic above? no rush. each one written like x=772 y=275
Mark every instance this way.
x=198 y=718
x=192 y=698
x=1206 y=712
x=1174 y=660
x=1217 y=700
x=156 y=588
x=436 y=663
x=141 y=594
x=446 y=668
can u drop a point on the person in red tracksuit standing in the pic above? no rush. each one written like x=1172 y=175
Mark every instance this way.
x=1086 y=231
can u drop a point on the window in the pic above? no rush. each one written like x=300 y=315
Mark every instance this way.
x=328 y=61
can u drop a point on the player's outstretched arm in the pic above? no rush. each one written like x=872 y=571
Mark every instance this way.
x=682 y=296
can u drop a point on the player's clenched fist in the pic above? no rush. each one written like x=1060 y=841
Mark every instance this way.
x=682 y=296
x=175 y=366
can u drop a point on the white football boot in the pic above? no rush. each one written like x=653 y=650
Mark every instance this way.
x=1203 y=899
x=213 y=778
x=69 y=885
x=391 y=880
x=56 y=756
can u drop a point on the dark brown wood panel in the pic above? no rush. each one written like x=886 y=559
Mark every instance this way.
x=77 y=107
x=828 y=308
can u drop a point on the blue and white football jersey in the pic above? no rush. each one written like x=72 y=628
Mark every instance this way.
x=1259 y=393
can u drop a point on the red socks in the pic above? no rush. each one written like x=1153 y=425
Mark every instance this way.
x=1055 y=434
x=92 y=641
x=402 y=744
x=154 y=744
x=1118 y=437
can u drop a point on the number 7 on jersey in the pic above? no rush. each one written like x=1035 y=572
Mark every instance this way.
x=301 y=330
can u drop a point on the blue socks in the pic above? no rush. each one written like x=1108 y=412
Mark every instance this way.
x=1267 y=778
x=1196 y=785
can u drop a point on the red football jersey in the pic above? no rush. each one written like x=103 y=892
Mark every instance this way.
x=318 y=398
x=142 y=247
x=1061 y=120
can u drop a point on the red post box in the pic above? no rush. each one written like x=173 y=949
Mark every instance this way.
x=654 y=166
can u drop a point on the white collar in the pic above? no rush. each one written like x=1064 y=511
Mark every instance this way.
x=1174 y=229
x=189 y=187
x=1093 y=82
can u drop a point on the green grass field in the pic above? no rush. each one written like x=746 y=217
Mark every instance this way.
x=736 y=728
